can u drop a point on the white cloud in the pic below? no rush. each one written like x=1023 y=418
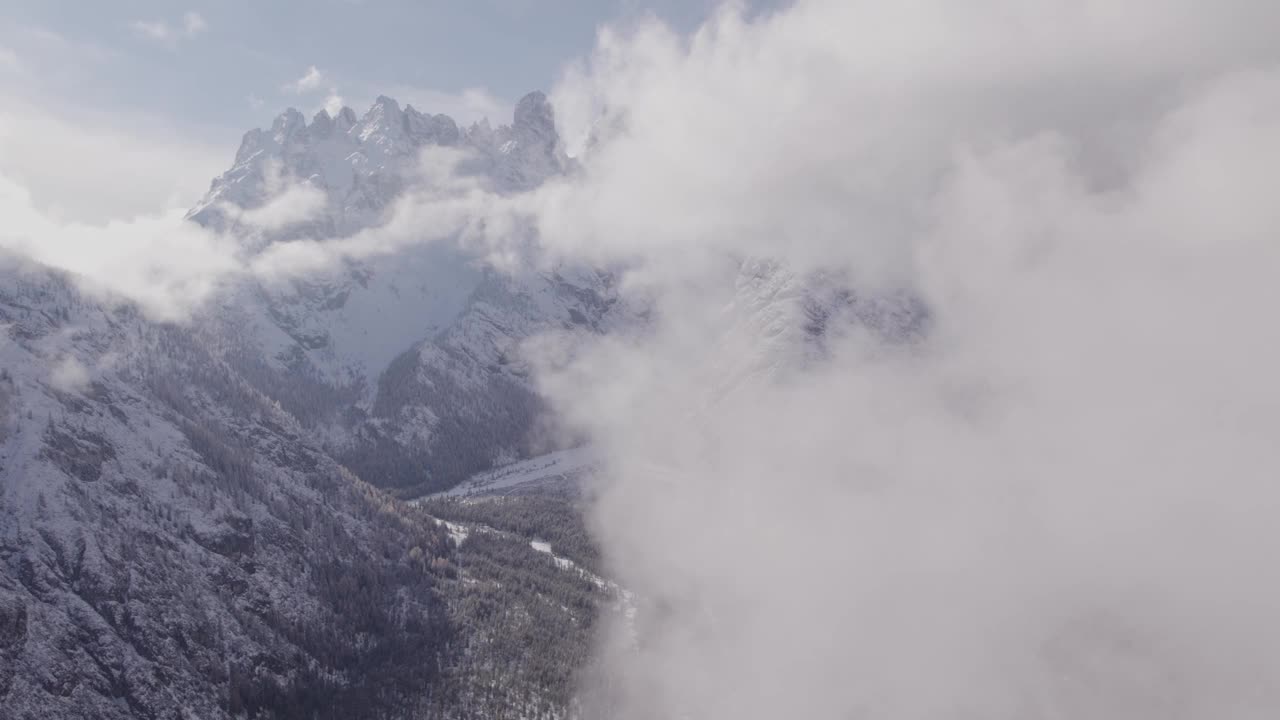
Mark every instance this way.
x=69 y=375
x=296 y=204
x=333 y=102
x=447 y=205
x=310 y=81
x=1059 y=501
x=157 y=30
x=72 y=164
x=289 y=202
x=166 y=265
x=191 y=24
x=65 y=206
x=66 y=203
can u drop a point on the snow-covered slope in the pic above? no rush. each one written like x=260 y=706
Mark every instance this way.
x=407 y=364
x=175 y=544
x=186 y=523
x=555 y=472
x=171 y=542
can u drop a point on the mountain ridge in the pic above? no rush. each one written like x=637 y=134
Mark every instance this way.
x=407 y=357
x=357 y=161
x=198 y=517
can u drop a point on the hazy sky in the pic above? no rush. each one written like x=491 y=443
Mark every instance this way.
x=162 y=91
x=233 y=64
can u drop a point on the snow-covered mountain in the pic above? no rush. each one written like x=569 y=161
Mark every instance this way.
x=362 y=165
x=186 y=529
x=406 y=364
x=175 y=544
x=171 y=542
x=189 y=523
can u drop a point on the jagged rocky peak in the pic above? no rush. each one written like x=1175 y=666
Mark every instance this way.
x=386 y=119
x=324 y=125
x=321 y=124
x=288 y=123
x=346 y=119
x=361 y=162
x=384 y=124
x=384 y=116
x=434 y=129
x=529 y=150
x=535 y=115
x=288 y=128
x=393 y=129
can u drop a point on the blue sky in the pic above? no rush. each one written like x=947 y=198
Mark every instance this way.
x=157 y=93
x=230 y=63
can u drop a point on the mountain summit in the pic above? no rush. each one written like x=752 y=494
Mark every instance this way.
x=186 y=511
x=361 y=164
x=407 y=364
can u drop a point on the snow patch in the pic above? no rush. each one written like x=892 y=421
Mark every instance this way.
x=557 y=466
